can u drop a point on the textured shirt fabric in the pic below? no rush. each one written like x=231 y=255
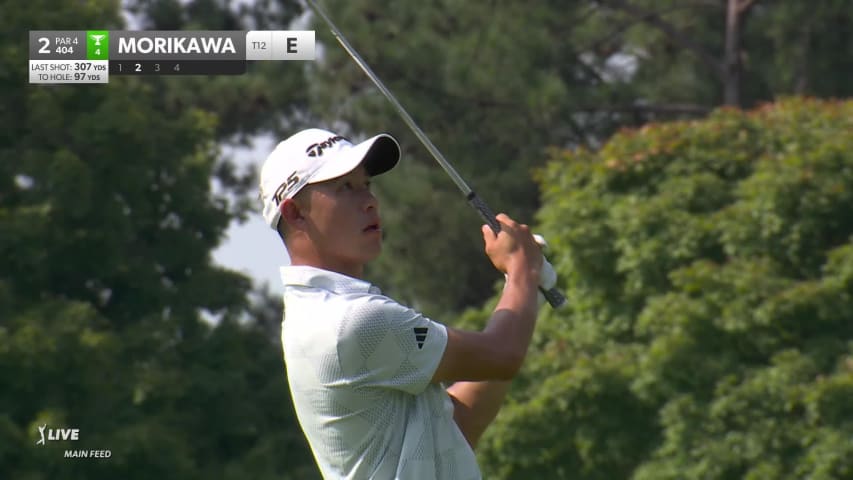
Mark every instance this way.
x=359 y=367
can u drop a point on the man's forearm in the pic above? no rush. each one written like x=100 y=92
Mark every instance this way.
x=475 y=406
x=477 y=403
x=515 y=316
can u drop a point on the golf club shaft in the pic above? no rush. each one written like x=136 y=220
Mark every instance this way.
x=553 y=296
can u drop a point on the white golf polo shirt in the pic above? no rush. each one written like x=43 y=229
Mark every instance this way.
x=359 y=367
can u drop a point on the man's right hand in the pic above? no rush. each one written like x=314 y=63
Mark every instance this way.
x=513 y=250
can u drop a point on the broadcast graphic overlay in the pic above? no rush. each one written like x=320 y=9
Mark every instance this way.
x=92 y=56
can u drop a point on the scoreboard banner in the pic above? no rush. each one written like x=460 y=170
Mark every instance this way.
x=91 y=56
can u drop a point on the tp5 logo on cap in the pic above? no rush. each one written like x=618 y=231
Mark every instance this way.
x=281 y=192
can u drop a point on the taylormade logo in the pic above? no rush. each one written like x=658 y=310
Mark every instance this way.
x=53 y=434
x=316 y=149
x=173 y=45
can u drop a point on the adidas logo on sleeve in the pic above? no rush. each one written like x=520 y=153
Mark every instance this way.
x=420 y=336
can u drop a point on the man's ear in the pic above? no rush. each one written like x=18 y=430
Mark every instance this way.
x=291 y=213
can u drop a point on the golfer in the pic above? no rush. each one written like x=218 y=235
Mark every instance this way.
x=369 y=377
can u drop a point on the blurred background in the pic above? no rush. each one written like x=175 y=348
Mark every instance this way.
x=690 y=162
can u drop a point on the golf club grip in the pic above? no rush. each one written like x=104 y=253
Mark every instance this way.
x=554 y=297
x=484 y=211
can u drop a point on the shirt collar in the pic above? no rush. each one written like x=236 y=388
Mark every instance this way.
x=306 y=276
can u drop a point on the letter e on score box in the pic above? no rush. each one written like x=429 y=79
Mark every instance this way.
x=280 y=45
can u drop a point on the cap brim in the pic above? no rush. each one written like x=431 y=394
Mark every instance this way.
x=379 y=154
x=383 y=154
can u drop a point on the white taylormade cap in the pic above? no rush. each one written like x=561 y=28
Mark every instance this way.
x=317 y=155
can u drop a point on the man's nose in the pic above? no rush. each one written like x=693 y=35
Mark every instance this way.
x=370 y=201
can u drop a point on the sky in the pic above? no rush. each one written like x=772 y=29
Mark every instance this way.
x=252 y=247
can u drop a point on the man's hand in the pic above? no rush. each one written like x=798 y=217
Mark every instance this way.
x=513 y=250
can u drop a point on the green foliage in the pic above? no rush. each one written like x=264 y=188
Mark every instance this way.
x=709 y=267
x=720 y=246
x=107 y=288
x=495 y=85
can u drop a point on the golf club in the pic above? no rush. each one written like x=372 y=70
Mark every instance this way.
x=554 y=297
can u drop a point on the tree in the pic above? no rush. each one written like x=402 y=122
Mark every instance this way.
x=739 y=44
x=107 y=287
x=494 y=87
x=708 y=266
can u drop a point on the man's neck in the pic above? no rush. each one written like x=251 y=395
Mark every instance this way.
x=344 y=268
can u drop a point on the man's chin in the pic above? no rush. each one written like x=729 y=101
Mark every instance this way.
x=375 y=252
x=371 y=251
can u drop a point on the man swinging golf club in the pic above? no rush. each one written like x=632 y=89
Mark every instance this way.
x=369 y=376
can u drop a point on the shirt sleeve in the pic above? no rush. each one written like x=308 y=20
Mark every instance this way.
x=384 y=344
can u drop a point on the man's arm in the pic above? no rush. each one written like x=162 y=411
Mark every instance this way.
x=498 y=351
x=481 y=362
x=475 y=405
